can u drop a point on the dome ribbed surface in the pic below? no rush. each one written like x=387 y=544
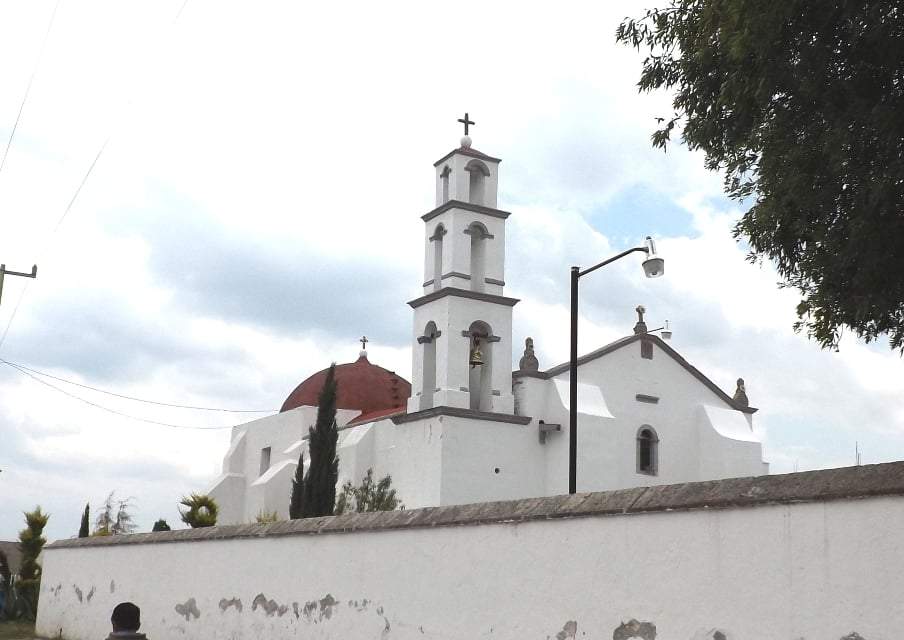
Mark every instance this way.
x=361 y=385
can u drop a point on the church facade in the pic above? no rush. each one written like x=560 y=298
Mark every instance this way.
x=469 y=429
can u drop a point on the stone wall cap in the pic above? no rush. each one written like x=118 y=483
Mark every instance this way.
x=846 y=483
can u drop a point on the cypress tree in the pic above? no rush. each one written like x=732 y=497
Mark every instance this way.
x=31 y=541
x=296 y=503
x=320 y=484
x=84 y=530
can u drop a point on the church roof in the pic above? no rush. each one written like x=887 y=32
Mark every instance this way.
x=467 y=151
x=621 y=342
x=361 y=385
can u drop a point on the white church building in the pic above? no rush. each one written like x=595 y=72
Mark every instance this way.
x=464 y=432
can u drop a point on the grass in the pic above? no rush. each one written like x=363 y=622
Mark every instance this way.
x=17 y=630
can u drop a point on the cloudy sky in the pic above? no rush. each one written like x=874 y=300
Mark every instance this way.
x=222 y=197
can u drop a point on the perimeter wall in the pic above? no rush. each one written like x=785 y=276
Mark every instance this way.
x=812 y=556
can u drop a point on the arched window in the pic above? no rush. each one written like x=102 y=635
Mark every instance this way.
x=479 y=173
x=480 y=381
x=479 y=237
x=444 y=178
x=429 y=366
x=647 y=451
x=437 y=239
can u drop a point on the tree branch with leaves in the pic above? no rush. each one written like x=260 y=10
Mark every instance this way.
x=799 y=104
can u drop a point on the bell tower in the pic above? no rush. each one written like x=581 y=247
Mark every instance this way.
x=463 y=322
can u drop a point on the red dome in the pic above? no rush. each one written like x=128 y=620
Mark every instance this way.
x=361 y=385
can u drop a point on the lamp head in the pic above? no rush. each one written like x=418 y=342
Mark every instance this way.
x=666 y=332
x=653 y=266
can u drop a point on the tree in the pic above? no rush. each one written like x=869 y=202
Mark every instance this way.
x=84 y=530
x=31 y=542
x=368 y=496
x=296 y=502
x=114 y=517
x=800 y=104
x=6 y=586
x=320 y=482
x=161 y=525
x=202 y=510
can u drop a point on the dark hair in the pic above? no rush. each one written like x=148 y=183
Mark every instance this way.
x=126 y=617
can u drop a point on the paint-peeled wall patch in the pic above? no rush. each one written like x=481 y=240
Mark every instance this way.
x=232 y=602
x=635 y=629
x=569 y=630
x=326 y=606
x=269 y=606
x=189 y=609
x=78 y=593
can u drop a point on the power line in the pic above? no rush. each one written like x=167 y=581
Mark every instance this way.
x=126 y=397
x=78 y=190
x=80 y=185
x=114 y=411
x=84 y=179
x=28 y=87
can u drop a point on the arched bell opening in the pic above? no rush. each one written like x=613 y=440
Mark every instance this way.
x=444 y=180
x=477 y=183
x=428 y=344
x=479 y=237
x=480 y=366
x=437 y=240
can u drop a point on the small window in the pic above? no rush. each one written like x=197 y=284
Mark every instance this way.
x=646 y=349
x=647 y=451
x=265 y=460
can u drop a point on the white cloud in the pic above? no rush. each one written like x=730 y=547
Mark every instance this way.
x=256 y=210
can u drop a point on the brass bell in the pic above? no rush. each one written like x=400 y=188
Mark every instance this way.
x=476 y=358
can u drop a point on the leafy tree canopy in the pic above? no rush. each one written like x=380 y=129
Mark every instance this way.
x=31 y=542
x=368 y=496
x=114 y=517
x=161 y=525
x=800 y=103
x=201 y=510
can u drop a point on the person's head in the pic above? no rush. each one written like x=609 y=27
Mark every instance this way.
x=126 y=617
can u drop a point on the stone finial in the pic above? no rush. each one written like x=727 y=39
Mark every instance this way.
x=641 y=326
x=740 y=394
x=529 y=361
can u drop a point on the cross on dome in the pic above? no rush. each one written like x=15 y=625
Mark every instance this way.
x=363 y=340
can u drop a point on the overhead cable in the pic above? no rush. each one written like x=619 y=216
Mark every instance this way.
x=28 y=87
x=113 y=411
x=127 y=397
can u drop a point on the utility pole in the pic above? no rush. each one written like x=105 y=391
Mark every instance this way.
x=3 y=272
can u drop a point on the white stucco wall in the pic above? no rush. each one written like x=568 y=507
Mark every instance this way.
x=242 y=491
x=700 y=436
x=447 y=459
x=797 y=571
x=452 y=315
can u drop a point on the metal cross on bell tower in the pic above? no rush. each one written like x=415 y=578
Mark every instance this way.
x=465 y=121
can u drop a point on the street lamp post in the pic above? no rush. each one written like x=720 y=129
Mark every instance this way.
x=653 y=267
